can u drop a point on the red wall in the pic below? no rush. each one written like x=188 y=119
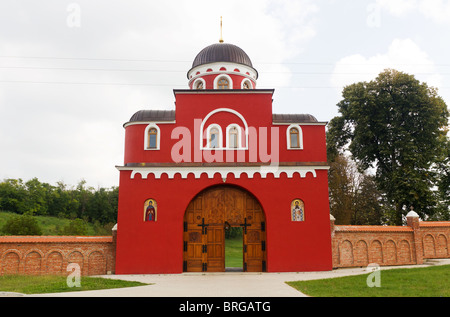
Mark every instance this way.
x=157 y=247
x=256 y=108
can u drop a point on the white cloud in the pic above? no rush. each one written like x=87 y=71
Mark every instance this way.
x=402 y=55
x=73 y=131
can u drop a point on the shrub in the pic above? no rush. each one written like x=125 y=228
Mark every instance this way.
x=22 y=225
x=77 y=227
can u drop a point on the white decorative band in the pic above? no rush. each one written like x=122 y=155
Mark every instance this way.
x=197 y=171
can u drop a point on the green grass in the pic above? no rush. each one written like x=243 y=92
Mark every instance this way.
x=233 y=252
x=57 y=284
x=416 y=282
x=50 y=225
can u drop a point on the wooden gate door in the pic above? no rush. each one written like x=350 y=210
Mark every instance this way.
x=204 y=229
x=254 y=237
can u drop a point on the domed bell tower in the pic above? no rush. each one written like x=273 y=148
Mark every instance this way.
x=222 y=66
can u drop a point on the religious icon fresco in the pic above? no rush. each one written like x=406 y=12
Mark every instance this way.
x=150 y=210
x=297 y=210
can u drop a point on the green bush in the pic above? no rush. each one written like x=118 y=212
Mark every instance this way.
x=77 y=227
x=22 y=225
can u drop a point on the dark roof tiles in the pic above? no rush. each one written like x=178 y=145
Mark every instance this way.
x=222 y=52
x=153 y=115
x=293 y=118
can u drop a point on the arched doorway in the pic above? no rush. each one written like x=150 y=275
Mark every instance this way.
x=204 y=230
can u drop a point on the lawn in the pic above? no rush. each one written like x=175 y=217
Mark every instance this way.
x=57 y=284
x=233 y=252
x=416 y=282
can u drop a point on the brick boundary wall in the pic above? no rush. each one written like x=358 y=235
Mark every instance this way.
x=40 y=255
x=358 y=246
x=352 y=246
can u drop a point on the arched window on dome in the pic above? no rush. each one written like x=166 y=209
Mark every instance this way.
x=199 y=84
x=223 y=83
x=294 y=137
x=246 y=84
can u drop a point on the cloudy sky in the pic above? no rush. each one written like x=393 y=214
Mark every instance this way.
x=72 y=72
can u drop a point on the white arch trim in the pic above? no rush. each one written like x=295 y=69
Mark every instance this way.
x=237 y=171
x=202 y=125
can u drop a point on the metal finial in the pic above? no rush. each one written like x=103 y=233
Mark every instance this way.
x=221 y=38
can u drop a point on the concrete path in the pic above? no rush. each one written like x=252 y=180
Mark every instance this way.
x=228 y=284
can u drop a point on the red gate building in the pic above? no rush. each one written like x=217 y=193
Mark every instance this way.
x=221 y=159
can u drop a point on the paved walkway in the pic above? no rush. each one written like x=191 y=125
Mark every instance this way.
x=228 y=284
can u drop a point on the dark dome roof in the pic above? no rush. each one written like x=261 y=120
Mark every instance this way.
x=222 y=52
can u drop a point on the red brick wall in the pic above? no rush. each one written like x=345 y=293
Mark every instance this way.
x=353 y=246
x=52 y=254
x=358 y=246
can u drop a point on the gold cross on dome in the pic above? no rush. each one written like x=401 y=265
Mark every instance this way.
x=221 y=38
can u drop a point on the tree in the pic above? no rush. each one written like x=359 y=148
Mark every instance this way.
x=354 y=198
x=443 y=212
x=12 y=195
x=396 y=126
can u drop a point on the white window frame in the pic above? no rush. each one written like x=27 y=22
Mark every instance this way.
x=194 y=86
x=246 y=80
x=300 y=137
x=216 y=81
x=202 y=125
x=146 y=137
x=208 y=135
x=239 y=137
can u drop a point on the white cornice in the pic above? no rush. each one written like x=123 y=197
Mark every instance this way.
x=210 y=171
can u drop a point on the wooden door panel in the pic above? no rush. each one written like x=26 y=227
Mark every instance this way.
x=215 y=248
x=193 y=250
x=205 y=249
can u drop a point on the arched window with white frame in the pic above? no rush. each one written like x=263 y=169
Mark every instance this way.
x=199 y=84
x=242 y=130
x=294 y=137
x=214 y=133
x=234 y=136
x=246 y=84
x=223 y=82
x=152 y=137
